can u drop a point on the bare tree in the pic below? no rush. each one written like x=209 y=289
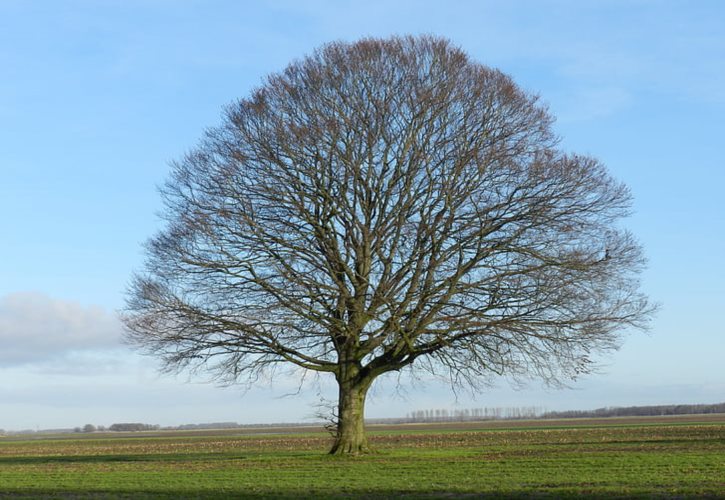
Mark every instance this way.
x=382 y=203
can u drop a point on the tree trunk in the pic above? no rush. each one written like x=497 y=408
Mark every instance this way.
x=350 y=437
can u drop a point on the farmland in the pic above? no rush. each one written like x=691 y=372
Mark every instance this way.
x=628 y=457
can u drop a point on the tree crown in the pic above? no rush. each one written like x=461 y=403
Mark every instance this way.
x=384 y=202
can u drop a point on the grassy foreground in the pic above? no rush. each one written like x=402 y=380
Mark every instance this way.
x=631 y=459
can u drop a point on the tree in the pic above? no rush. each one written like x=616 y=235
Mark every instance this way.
x=380 y=204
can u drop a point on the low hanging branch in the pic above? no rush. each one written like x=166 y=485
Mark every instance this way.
x=380 y=203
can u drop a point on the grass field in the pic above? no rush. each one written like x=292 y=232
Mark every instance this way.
x=614 y=458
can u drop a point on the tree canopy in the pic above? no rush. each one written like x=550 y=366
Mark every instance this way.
x=385 y=204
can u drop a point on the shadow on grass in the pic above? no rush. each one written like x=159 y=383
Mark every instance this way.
x=99 y=459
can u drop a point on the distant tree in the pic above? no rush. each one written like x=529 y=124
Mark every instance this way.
x=89 y=428
x=380 y=205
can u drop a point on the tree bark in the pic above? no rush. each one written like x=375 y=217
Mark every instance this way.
x=351 y=437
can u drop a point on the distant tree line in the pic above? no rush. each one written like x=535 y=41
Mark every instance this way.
x=534 y=412
x=639 y=411
x=122 y=427
x=211 y=425
x=133 y=427
x=89 y=428
x=466 y=414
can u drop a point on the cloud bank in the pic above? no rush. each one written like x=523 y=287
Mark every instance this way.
x=35 y=328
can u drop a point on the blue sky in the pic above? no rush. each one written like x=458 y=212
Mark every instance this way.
x=96 y=98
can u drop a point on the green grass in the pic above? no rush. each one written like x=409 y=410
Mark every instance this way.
x=667 y=461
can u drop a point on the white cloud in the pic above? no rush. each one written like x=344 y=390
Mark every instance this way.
x=35 y=328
